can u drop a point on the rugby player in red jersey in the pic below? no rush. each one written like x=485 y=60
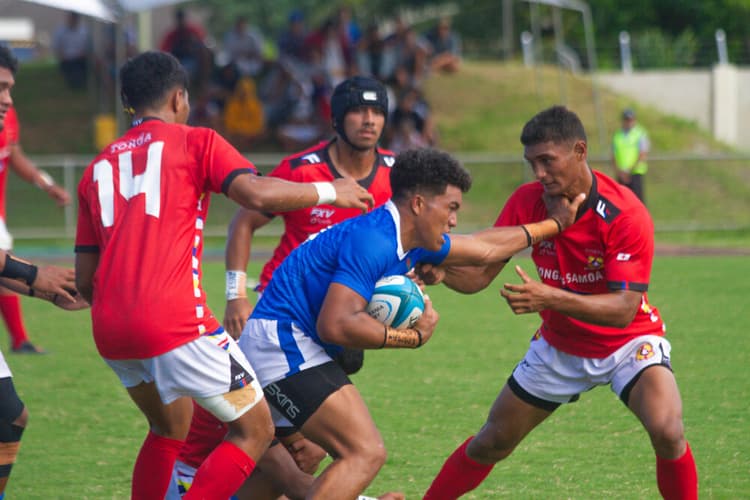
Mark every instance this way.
x=142 y=207
x=12 y=155
x=598 y=327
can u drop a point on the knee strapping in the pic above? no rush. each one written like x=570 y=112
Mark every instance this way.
x=10 y=443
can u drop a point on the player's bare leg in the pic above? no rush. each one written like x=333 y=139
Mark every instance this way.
x=277 y=474
x=168 y=427
x=172 y=420
x=253 y=431
x=10 y=443
x=233 y=461
x=655 y=400
x=342 y=425
x=509 y=421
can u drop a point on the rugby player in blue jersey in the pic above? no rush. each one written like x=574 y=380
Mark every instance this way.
x=315 y=304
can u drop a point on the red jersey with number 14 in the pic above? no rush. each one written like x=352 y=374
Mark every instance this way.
x=142 y=206
x=610 y=247
x=8 y=137
x=315 y=165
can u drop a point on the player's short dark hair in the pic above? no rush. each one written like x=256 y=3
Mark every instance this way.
x=8 y=60
x=556 y=124
x=148 y=77
x=427 y=170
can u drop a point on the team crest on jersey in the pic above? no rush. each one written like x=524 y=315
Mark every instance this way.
x=594 y=263
x=645 y=351
x=606 y=210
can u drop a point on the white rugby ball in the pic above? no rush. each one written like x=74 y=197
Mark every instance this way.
x=396 y=301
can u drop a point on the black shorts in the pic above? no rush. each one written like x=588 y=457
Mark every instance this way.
x=11 y=405
x=636 y=185
x=299 y=396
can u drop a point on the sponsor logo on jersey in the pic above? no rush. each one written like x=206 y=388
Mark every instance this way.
x=322 y=212
x=606 y=210
x=645 y=351
x=546 y=247
x=321 y=215
x=314 y=157
x=240 y=377
x=623 y=257
x=389 y=161
x=566 y=279
x=281 y=401
x=311 y=158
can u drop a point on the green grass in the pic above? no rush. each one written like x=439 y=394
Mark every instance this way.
x=84 y=432
x=485 y=105
x=54 y=119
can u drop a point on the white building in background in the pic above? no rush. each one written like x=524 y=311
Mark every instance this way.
x=717 y=99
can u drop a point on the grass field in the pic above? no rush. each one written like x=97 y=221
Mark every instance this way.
x=84 y=432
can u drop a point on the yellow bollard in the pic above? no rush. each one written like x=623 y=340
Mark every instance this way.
x=105 y=130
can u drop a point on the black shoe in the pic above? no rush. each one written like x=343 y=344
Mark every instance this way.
x=28 y=348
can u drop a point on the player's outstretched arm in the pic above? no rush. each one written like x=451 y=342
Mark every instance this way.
x=498 y=244
x=475 y=260
x=343 y=320
x=25 y=168
x=462 y=279
x=236 y=257
x=271 y=194
x=51 y=283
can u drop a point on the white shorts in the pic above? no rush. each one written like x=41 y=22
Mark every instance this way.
x=553 y=376
x=208 y=369
x=279 y=349
x=6 y=240
x=4 y=368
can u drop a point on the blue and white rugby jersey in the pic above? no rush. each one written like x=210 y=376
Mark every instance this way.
x=356 y=253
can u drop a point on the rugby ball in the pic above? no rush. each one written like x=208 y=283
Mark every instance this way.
x=396 y=301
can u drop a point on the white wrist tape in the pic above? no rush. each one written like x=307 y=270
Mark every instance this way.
x=236 y=285
x=45 y=180
x=326 y=192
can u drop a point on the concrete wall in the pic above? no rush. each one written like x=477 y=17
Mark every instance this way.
x=681 y=93
x=718 y=99
x=743 y=109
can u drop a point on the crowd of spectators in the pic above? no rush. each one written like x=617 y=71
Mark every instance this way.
x=255 y=90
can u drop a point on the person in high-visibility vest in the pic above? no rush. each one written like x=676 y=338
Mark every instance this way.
x=630 y=147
